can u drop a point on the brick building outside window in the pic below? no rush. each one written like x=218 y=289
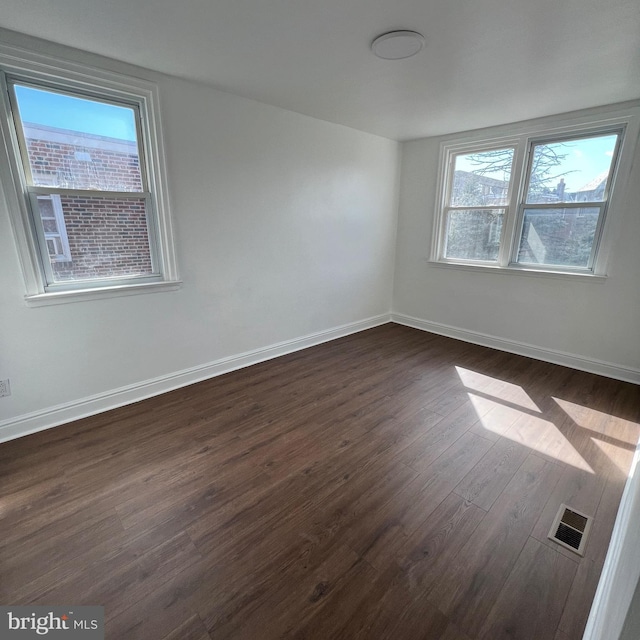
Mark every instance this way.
x=89 y=237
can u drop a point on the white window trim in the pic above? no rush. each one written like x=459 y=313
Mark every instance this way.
x=27 y=64
x=625 y=116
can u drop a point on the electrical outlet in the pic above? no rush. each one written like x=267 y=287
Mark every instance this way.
x=5 y=389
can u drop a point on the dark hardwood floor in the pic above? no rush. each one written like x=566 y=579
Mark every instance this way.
x=390 y=484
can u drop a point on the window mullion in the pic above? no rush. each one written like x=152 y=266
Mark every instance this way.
x=511 y=210
x=564 y=205
x=88 y=193
x=489 y=207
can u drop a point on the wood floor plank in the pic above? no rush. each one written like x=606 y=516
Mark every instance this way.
x=299 y=496
x=190 y=629
x=427 y=554
x=388 y=484
x=378 y=534
x=109 y=553
x=578 y=605
x=338 y=607
x=276 y=610
x=194 y=499
x=453 y=633
x=391 y=611
x=531 y=602
x=244 y=562
x=603 y=521
x=159 y=612
x=281 y=552
x=472 y=583
x=116 y=582
x=440 y=437
x=486 y=481
x=364 y=453
x=497 y=419
x=49 y=557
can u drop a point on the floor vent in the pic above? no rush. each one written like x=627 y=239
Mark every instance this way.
x=570 y=529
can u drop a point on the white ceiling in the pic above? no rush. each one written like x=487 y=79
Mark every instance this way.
x=486 y=62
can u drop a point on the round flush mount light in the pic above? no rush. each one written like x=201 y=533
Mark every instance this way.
x=396 y=45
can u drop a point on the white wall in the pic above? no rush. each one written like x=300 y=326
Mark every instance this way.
x=594 y=322
x=285 y=227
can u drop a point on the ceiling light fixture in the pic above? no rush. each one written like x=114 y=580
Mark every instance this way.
x=396 y=45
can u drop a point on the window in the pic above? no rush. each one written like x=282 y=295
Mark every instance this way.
x=537 y=201
x=478 y=197
x=90 y=207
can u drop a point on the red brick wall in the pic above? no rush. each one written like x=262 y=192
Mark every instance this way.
x=54 y=163
x=107 y=237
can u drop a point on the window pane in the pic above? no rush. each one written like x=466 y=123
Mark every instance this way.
x=107 y=238
x=572 y=170
x=481 y=179
x=562 y=237
x=46 y=208
x=50 y=225
x=474 y=235
x=77 y=143
x=54 y=247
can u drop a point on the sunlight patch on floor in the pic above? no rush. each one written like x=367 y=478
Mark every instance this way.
x=604 y=423
x=619 y=457
x=544 y=437
x=497 y=388
x=583 y=416
x=506 y=410
x=496 y=416
x=484 y=405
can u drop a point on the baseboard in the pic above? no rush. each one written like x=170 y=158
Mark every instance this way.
x=621 y=570
x=521 y=348
x=67 y=412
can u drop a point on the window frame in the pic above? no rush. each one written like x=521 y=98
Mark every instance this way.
x=34 y=69
x=449 y=178
x=622 y=119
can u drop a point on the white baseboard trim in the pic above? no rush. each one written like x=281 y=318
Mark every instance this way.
x=573 y=361
x=60 y=414
x=621 y=570
x=74 y=410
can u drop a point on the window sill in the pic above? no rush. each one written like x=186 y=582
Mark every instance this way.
x=114 y=291
x=519 y=271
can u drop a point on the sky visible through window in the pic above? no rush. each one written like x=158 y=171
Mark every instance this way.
x=585 y=159
x=76 y=114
